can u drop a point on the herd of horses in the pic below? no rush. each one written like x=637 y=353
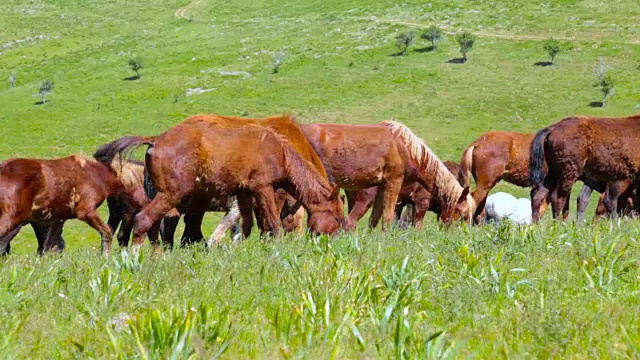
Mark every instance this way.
x=276 y=169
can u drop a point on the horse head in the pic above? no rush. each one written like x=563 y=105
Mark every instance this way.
x=328 y=216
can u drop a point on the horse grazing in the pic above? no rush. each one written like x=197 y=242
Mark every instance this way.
x=195 y=161
x=291 y=212
x=387 y=156
x=45 y=193
x=419 y=200
x=495 y=156
x=503 y=205
x=124 y=206
x=599 y=151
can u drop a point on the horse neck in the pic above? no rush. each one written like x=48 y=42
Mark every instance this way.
x=442 y=183
x=309 y=184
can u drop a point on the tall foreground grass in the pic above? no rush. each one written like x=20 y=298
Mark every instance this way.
x=555 y=290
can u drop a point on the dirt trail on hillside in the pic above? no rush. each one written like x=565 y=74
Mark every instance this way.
x=182 y=12
x=501 y=36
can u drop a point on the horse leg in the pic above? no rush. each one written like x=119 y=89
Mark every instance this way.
x=168 y=227
x=601 y=210
x=245 y=208
x=115 y=214
x=614 y=190
x=124 y=233
x=359 y=202
x=5 y=241
x=91 y=218
x=583 y=201
x=49 y=237
x=485 y=181
x=384 y=203
x=291 y=213
x=193 y=224
x=151 y=214
x=539 y=195
x=265 y=201
x=229 y=220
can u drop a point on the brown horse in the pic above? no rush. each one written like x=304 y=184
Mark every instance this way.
x=195 y=161
x=124 y=206
x=290 y=211
x=592 y=149
x=415 y=195
x=386 y=155
x=45 y=193
x=495 y=156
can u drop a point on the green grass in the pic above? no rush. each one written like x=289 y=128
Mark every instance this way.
x=574 y=299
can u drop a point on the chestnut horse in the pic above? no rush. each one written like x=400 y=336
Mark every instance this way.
x=195 y=161
x=290 y=211
x=386 y=155
x=415 y=195
x=495 y=156
x=45 y=193
x=123 y=207
x=592 y=149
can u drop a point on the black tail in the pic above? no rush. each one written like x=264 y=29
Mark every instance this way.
x=149 y=186
x=107 y=152
x=536 y=159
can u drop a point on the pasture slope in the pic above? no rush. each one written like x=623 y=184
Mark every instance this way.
x=549 y=291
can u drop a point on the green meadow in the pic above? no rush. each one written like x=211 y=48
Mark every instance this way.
x=555 y=290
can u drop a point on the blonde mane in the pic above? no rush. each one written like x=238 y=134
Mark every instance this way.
x=446 y=183
x=130 y=173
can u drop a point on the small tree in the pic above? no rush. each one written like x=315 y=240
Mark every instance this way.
x=12 y=80
x=607 y=88
x=278 y=59
x=404 y=40
x=552 y=47
x=603 y=81
x=465 y=40
x=433 y=34
x=45 y=88
x=136 y=65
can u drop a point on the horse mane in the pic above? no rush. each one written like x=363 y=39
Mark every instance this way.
x=311 y=186
x=446 y=183
x=129 y=172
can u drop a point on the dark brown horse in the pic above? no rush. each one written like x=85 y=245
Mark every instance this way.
x=195 y=161
x=595 y=150
x=415 y=196
x=387 y=156
x=45 y=193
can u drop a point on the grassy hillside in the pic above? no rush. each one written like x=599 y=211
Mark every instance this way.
x=338 y=67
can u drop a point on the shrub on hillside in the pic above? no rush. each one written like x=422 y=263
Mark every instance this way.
x=552 y=47
x=136 y=66
x=465 y=41
x=45 y=88
x=433 y=35
x=404 y=40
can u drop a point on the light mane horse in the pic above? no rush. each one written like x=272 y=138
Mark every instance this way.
x=387 y=155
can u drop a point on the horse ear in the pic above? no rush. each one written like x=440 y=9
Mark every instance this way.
x=335 y=192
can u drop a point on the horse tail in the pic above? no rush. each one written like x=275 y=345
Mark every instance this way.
x=107 y=152
x=536 y=157
x=149 y=186
x=466 y=164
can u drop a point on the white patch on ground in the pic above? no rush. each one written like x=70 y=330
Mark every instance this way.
x=198 y=91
